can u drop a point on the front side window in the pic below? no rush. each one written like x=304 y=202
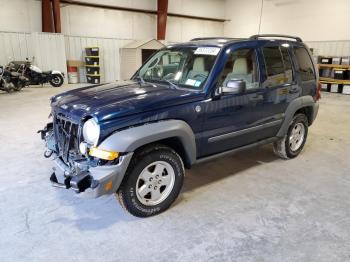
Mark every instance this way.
x=241 y=65
x=278 y=66
x=184 y=67
x=306 y=67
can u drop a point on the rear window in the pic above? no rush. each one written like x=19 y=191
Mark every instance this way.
x=306 y=68
x=278 y=66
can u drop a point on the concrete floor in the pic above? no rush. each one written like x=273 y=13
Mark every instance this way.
x=248 y=207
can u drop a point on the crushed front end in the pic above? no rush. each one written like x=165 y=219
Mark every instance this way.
x=81 y=165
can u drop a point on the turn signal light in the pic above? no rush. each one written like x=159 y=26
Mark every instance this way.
x=103 y=154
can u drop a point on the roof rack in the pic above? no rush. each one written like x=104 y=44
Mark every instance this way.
x=213 y=38
x=298 y=39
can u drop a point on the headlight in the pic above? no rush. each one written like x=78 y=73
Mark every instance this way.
x=91 y=132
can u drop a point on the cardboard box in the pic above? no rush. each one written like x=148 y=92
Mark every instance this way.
x=346 y=89
x=334 y=88
x=75 y=63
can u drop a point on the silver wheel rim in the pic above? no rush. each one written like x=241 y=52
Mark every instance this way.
x=56 y=80
x=155 y=183
x=296 y=137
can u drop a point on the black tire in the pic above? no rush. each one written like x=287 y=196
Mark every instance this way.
x=128 y=194
x=19 y=86
x=57 y=80
x=283 y=147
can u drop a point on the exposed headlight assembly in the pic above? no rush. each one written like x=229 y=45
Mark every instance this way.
x=91 y=132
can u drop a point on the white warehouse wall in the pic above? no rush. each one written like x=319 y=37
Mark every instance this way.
x=20 y=15
x=312 y=20
x=25 y=16
x=95 y=22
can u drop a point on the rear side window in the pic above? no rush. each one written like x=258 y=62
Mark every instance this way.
x=278 y=66
x=306 y=68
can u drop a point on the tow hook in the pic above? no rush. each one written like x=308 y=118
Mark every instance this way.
x=46 y=130
x=42 y=133
x=48 y=153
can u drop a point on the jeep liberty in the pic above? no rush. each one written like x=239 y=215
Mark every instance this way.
x=188 y=103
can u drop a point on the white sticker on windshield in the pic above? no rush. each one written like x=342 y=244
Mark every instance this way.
x=190 y=82
x=207 y=51
x=197 y=84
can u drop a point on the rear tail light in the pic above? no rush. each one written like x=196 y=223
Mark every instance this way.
x=317 y=95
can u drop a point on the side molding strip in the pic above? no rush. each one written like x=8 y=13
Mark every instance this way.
x=243 y=131
x=233 y=151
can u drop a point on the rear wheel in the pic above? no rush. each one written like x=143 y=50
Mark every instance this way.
x=57 y=80
x=152 y=182
x=293 y=142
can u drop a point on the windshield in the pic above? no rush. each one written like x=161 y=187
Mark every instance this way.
x=184 y=67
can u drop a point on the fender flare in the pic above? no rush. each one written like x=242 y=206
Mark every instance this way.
x=295 y=105
x=57 y=72
x=128 y=140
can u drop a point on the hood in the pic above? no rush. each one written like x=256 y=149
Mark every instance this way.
x=119 y=99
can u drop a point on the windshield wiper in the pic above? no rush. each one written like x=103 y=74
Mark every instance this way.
x=171 y=83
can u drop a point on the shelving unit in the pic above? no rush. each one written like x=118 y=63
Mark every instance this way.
x=92 y=65
x=335 y=85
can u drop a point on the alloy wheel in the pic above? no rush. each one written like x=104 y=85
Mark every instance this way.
x=296 y=137
x=155 y=183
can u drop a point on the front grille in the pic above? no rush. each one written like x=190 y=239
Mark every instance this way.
x=67 y=136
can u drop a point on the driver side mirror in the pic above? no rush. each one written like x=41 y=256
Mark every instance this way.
x=234 y=86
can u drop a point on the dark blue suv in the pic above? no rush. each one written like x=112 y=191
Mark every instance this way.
x=188 y=103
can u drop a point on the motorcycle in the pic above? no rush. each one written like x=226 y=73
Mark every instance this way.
x=12 y=81
x=36 y=76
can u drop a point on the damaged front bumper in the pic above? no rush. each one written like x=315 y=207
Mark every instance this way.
x=92 y=182
x=89 y=180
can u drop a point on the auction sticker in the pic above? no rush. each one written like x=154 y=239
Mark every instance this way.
x=190 y=82
x=207 y=51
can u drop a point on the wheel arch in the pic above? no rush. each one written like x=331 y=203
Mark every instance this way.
x=305 y=105
x=176 y=134
x=308 y=111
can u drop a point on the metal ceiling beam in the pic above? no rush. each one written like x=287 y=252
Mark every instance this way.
x=57 y=15
x=135 y=10
x=162 y=13
x=46 y=16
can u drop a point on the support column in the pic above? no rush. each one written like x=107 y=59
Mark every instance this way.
x=46 y=16
x=162 y=13
x=57 y=15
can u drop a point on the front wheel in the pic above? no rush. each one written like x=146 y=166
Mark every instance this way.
x=293 y=142
x=19 y=86
x=152 y=182
x=56 y=80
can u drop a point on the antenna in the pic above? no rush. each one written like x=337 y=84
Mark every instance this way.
x=261 y=11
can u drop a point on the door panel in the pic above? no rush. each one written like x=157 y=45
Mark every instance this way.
x=235 y=120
